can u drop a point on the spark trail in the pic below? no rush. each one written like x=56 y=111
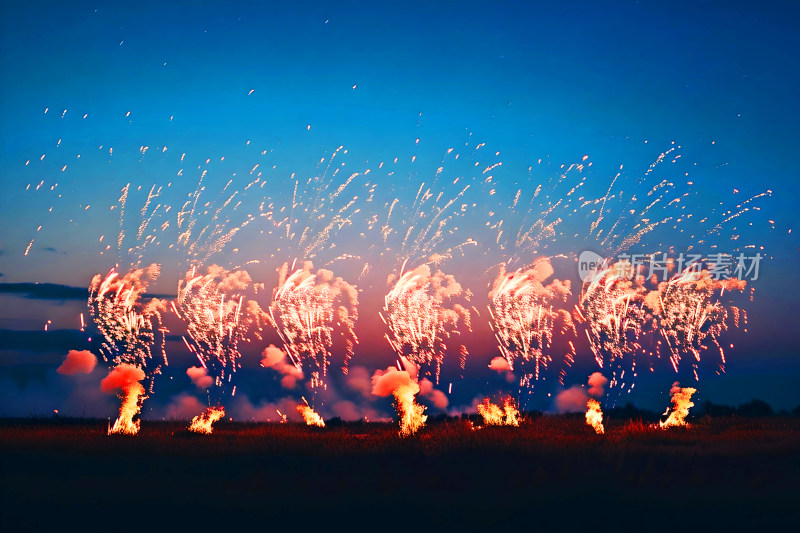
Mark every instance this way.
x=418 y=318
x=523 y=317
x=611 y=306
x=211 y=305
x=128 y=324
x=306 y=305
x=690 y=315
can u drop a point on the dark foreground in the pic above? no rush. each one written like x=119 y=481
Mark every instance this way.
x=551 y=472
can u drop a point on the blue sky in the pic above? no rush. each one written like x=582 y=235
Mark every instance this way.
x=549 y=81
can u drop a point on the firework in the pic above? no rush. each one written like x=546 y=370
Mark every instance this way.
x=690 y=315
x=681 y=403
x=419 y=321
x=211 y=305
x=523 y=316
x=611 y=306
x=495 y=415
x=306 y=305
x=128 y=324
x=594 y=416
x=204 y=422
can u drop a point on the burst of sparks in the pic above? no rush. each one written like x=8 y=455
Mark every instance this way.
x=418 y=320
x=523 y=316
x=211 y=305
x=306 y=305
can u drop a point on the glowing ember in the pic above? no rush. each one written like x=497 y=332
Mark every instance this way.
x=494 y=415
x=310 y=416
x=681 y=403
x=304 y=310
x=523 y=315
x=419 y=323
x=594 y=416
x=203 y=422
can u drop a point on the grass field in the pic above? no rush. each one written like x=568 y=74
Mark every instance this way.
x=552 y=471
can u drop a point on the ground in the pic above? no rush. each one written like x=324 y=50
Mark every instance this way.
x=553 y=471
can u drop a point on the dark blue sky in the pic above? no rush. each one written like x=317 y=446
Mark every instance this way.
x=621 y=82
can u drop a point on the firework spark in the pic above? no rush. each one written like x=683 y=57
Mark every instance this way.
x=611 y=306
x=128 y=325
x=211 y=305
x=418 y=320
x=127 y=322
x=523 y=316
x=690 y=315
x=306 y=305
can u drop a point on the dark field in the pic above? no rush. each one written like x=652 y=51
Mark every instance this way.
x=550 y=472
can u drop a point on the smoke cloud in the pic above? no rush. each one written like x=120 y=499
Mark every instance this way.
x=78 y=362
x=183 y=407
x=275 y=358
x=437 y=397
x=597 y=383
x=572 y=400
x=121 y=377
x=199 y=376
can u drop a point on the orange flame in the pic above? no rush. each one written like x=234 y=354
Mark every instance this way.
x=411 y=413
x=310 y=416
x=594 y=416
x=493 y=415
x=130 y=407
x=202 y=423
x=681 y=403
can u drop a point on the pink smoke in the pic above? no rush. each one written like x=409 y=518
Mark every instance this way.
x=499 y=364
x=596 y=383
x=199 y=377
x=121 y=377
x=572 y=400
x=77 y=362
x=437 y=397
x=275 y=358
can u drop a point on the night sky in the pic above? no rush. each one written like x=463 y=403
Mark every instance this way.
x=96 y=96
